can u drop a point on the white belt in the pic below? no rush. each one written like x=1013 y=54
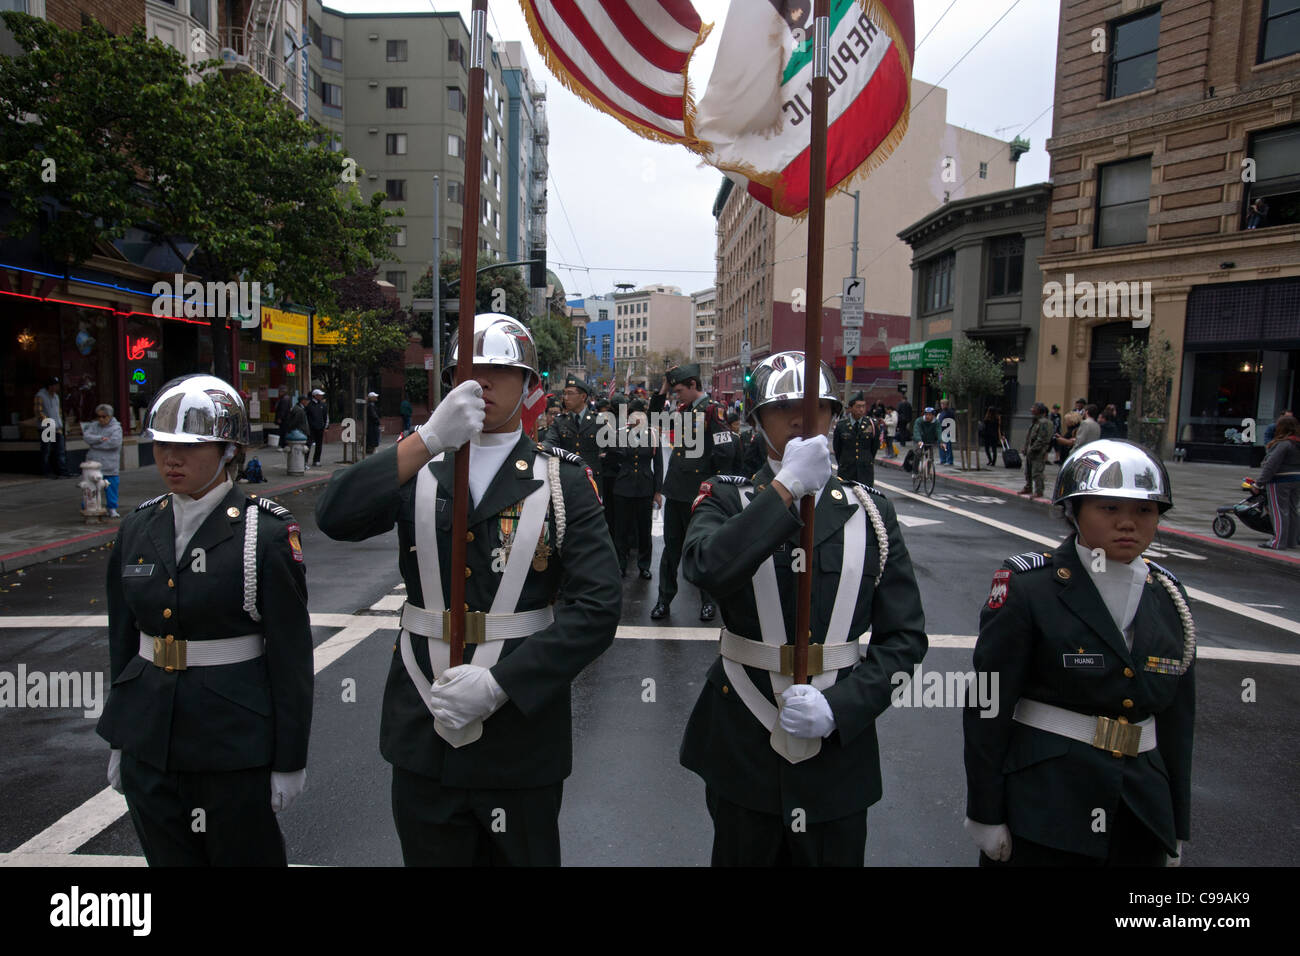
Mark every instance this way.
x=479 y=626
x=779 y=659
x=1105 y=733
x=173 y=655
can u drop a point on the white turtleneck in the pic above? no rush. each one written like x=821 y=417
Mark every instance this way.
x=190 y=513
x=1120 y=586
x=775 y=465
x=487 y=453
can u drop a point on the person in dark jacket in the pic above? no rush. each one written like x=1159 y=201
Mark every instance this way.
x=1079 y=751
x=904 y=433
x=373 y=423
x=296 y=427
x=318 y=420
x=1280 y=476
x=282 y=409
x=991 y=435
x=640 y=477
x=855 y=443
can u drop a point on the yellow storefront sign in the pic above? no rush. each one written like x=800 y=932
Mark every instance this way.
x=291 y=328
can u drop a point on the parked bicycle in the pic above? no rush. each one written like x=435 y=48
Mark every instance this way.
x=923 y=471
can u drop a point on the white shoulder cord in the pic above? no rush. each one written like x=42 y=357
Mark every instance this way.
x=877 y=525
x=1185 y=615
x=250 y=562
x=557 y=499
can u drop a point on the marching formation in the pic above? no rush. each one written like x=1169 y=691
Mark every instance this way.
x=1085 y=761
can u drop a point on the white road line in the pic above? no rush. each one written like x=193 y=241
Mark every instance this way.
x=1263 y=617
x=17 y=858
x=389 y=602
x=907 y=521
x=632 y=633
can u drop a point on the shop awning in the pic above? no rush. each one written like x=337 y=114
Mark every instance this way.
x=935 y=353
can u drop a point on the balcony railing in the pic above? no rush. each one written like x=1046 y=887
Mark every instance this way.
x=251 y=52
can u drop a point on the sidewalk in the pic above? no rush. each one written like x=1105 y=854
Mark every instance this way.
x=1199 y=488
x=41 y=519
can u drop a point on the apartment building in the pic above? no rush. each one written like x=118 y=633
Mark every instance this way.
x=703 y=325
x=649 y=323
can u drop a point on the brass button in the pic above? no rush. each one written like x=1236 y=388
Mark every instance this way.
x=167 y=612
x=521 y=465
x=1063 y=573
x=232 y=512
x=171 y=583
x=169 y=669
x=836 y=494
x=161 y=505
x=1116 y=753
x=1126 y=702
x=169 y=638
x=469 y=535
x=726 y=689
x=467 y=572
x=1128 y=672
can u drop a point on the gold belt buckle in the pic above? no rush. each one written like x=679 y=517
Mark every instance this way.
x=475 y=627
x=814 y=660
x=169 y=654
x=1118 y=736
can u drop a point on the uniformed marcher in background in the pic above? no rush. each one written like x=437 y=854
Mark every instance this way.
x=576 y=427
x=611 y=457
x=640 y=476
x=209 y=645
x=1087 y=760
x=790 y=769
x=708 y=448
x=1038 y=442
x=856 y=442
x=480 y=751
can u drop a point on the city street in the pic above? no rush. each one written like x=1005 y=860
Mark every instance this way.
x=628 y=802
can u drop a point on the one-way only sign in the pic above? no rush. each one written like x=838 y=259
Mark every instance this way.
x=851 y=303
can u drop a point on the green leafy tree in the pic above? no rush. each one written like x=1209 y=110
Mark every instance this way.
x=368 y=339
x=118 y=133
x=554 y=337
x=1150 y=367
x=972 y=375
x=504 y=287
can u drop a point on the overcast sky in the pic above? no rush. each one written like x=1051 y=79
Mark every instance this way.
x=624 y=209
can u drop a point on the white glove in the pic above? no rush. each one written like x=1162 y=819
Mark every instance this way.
x=457 y=419
x=115 y=770
x=285 y=788
x=1177 y=858
x=993 y=839
x=805 y=465
x=465 y=693
x=805 y=712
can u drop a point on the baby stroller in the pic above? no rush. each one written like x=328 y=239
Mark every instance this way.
x=1252 y=510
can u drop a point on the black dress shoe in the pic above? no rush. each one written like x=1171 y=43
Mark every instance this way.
x=707 y=612
x=660 y=611
x=645 y=574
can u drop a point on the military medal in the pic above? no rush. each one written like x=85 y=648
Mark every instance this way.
x=508 y=523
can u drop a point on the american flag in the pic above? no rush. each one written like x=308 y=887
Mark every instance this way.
x=626 y=57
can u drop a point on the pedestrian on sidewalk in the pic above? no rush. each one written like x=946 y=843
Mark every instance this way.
x=1037 y=444
x=991 y=434
x=1108 y=422
x=1064 y=442
x=1093 y=647
x=318 y=419
x=204 y=710
x=282 y=409
x=104 y=436
x=373 y=424
x=54 y=459
x=903 y=433
x=891 y=429
x=1280 y=476
x=405 y=411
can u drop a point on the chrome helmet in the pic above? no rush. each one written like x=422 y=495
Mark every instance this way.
x=779 y=378
x=197 y=408
x=498 y=340
x=1113 y=468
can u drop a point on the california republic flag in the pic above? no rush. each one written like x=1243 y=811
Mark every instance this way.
x=755 y=118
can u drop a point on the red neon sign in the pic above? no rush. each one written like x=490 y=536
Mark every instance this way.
x=135 y=350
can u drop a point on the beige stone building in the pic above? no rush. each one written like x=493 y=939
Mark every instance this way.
x=762 y=257
x=648 y=324
x=1171 y=120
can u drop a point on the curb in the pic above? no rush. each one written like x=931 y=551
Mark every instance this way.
x=1270 y=558
x=39 y=554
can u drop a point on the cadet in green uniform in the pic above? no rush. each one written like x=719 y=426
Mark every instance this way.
x=209 y=645
x=480 y=751
x=707 y=447
x=790 y=769
x=640 y=476
x=855 y=443
x=1037 y=443
x=575 y=429
x=1087 y=760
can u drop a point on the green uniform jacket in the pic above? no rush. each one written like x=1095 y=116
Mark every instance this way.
x=1046 y=787
x=577 y=433
x=528 y=742
x=1039 y=439
x=225 y=717
x=855 y=443
x=716 y=451
x=724 y=743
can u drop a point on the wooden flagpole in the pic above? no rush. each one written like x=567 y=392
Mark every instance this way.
x=812 y=348
x=465 y=321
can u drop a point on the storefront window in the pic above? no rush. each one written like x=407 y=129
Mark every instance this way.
x=88 y=365
x=144 y=365
x=1225 y=391
x=29 y=354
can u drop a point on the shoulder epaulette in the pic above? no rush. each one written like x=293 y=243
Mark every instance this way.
x=1163 y=570
x=1027 y=561
x=266 y=504
x=152 y=501
x=731 y=479
x=562 y=453
x=865 y=487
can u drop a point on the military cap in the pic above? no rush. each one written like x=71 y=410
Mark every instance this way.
x=682 y=372
x=578 y=384
x=857 y=397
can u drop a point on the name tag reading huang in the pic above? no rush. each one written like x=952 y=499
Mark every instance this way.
x=1084 y=661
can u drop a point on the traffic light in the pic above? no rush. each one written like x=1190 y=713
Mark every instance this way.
x=749 y=376
x=546 y=379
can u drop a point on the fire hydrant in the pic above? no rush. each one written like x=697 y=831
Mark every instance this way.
x=92 y=487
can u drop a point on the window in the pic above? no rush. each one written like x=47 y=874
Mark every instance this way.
x=455 y=191
x=455 y=99
x=331 y=94
x=1122 y=202
x=199 y=13
x=1277 y=178
x=453 y=236
x=984 y=170
x=1133 y=46
x=485 y=209
x=936 y=293
x=1006 y=265
x=313 y=80
x=395 y=51
x=456 y=52
x=395 y=144
x=398 y=279
x=400 y=238
x=395 y=189
x=455 y=145
x=397 y=97
x=1280 y=29
x=487 y=168
x=313 y=31
x=331 y=48
x=496 y=181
